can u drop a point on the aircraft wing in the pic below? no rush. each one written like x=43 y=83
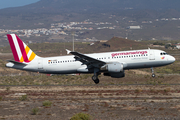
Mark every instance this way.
x=87 y=60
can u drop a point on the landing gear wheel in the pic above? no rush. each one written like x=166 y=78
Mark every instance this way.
x=95 y=79
x=153 y=75
x=152 y=70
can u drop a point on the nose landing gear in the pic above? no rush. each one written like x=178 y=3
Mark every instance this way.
x=153 y=74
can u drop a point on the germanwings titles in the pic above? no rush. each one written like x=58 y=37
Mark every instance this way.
x=110 y=63
x=129 y=53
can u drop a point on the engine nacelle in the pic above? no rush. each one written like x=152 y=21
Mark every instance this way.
x=115 y=67
x=115 y=75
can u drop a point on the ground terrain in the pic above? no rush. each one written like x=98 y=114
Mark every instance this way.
x=111 y=102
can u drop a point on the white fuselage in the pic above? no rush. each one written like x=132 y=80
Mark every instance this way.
x=67 y=65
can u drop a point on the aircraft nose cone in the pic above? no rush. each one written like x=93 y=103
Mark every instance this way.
x=172 y=59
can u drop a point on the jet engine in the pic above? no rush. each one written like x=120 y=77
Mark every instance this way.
x=115 y=75
x=115 y=67
x=114 y=70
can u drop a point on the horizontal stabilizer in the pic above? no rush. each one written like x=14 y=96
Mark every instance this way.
x=15 y=62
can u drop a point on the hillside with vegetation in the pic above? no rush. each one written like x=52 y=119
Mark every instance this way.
x=158 y=19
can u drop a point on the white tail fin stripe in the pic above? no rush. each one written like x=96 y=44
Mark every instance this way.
x=17 y=46
x=29 y=53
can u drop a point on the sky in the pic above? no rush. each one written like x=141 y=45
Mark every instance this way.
x=15 y=3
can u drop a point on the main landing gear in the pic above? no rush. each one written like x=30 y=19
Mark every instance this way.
x=153 y=74
x=95 y=76
x=95 y=79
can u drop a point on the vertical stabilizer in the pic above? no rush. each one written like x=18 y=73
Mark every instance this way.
x=21 y=52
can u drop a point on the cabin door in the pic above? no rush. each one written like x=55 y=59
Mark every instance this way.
x=151 y=55
x=40 y=64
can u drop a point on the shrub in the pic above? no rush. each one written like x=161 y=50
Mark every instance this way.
x=8 y=89
x=1 y=98
x=138 y=90
x=23 y=98
x=47 y=103
x=81 y=116
x=35 y=111
x=168 y=71
x=161 y=108
x=167 y=90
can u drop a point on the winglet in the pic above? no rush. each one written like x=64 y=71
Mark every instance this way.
x=68 y=51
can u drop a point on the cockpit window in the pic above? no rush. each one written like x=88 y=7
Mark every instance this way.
x=163 y=53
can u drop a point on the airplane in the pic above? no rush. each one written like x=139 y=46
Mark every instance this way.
x=109 y=63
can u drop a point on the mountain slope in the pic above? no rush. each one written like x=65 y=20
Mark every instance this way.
x=49 y=6
x=107 y=4
x=114 y=44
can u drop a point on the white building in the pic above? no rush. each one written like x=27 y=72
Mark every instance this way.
x=134 y=27
x=178 y=46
